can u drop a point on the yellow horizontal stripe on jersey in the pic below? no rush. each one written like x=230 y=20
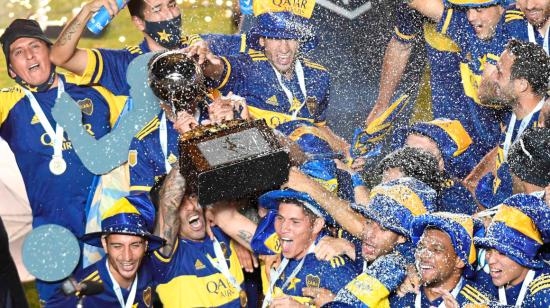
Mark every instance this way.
x=369 y=290
x=140 y=188
x=208 y=291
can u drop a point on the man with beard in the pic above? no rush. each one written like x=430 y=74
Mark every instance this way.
x=193 y=269
x=513 y=241
x=383 y=227
x=531 y=22
x=56 y=181
x=277 y=81
x=124 y=273
x=445 y=259
x=520 y=82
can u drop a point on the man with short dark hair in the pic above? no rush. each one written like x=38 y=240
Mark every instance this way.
x=513 y=242
x=126 y=277
x=520 y=83
x=445 y=260
x=56 y=181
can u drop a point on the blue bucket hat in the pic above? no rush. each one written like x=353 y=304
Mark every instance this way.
x=461 y=229
x=394 y=204
x=272 y=199
x=323 y=171
x=283 y=26
x=520 y=227
x=265 y=240
x=132 y=215
x=451 y=139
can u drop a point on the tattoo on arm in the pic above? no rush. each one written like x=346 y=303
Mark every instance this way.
x=245 y=236
x=69 y=32
x=171 y=195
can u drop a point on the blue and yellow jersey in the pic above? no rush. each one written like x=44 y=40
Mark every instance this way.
x=475 y=54
x=517 y=25
x=187 y=278
x=470 y=293
x=252 y=77
x=538 y=292
x=58 y=199
x=145 y=157
x=332 y=275
x=108 y=67
x=444 y=61
x=493 y=188
x=98 y=272
x=374 y=286
x=456 y=198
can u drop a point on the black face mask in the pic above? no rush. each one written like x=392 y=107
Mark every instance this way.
x=41 y=87
x=166 y=33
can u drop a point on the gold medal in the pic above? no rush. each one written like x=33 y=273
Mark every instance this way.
x=243 y=298
x=57 y=165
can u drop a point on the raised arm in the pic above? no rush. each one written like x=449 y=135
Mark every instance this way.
x=225 y=215
x=64 y=52
x=339 y=209
x=432 y=9
x=170 y=198
x=396 y=58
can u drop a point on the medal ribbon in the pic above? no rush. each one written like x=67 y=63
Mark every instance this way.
x=118 y=292
x=163 y=136
x=221 y=265
x=502 y=291
x=532 y=39
x=524 y=122
x=275 y=274
x=301 y=80
x=57 y=136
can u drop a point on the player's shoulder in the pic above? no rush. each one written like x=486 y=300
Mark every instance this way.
x=133 y=49
x=540 y=286
x=11 y=95
x=475 y=292
x=312 y=65
x=256 y=55
x=147 y=131
x=90 y=273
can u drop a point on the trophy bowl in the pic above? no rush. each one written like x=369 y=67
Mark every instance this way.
x=177 y=80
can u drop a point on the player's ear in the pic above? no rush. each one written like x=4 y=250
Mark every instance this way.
x=104 y=242
x=262 y=41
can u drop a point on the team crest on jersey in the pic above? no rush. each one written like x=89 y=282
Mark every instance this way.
x=35 y=120
x=172 y=158
x=132 y=158
x=311 y=104
x=224 y=249
x=147 y=296
x=313 y=281
x=86 y=106
x=272 y=101
x=199 y=265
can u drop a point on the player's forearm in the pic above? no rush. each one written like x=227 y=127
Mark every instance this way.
x=171 y=196
x=395 y=61
x=432 y=9
x=238 y=227
x=65 y=48
x=337 y=143
x=339 y=209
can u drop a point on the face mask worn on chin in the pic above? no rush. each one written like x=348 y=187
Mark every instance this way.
x=166 y=33
x=41 y=87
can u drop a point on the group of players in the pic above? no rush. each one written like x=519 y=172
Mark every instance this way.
x=455 y=215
